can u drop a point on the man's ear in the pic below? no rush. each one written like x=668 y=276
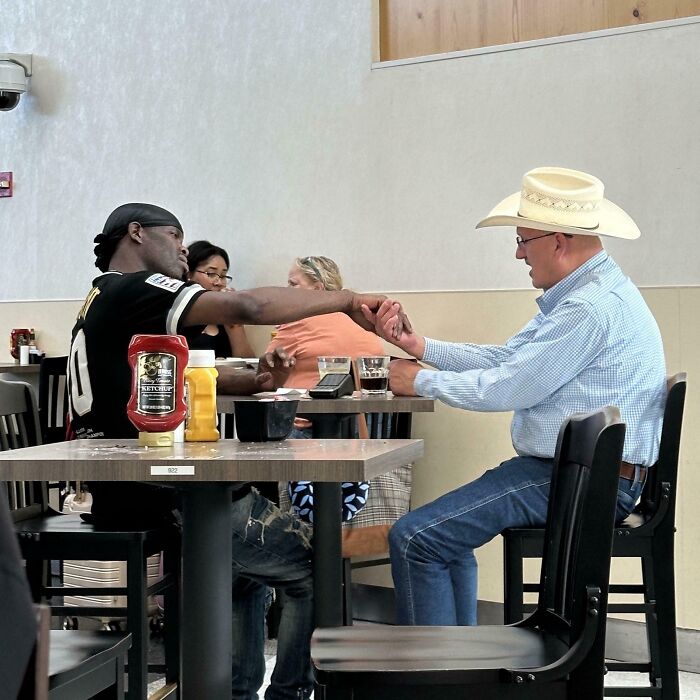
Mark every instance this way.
x=135 y=232
x=562 y=241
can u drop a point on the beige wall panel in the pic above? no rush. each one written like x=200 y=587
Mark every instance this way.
x=688 y=513
x=665 y=305
x=52 y=320
x=411 y=28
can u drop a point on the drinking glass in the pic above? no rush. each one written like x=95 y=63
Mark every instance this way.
x=333 y=365
x=374 y=374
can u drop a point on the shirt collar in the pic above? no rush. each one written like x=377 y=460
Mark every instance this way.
x=563 y=288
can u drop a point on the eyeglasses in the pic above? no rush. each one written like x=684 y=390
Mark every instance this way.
x=216 y=277
x=522 y=242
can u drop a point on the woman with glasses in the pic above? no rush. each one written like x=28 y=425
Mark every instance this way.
x=208 y=266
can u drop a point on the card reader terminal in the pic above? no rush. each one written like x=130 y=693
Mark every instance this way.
x=333 y=386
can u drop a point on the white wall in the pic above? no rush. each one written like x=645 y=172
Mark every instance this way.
x=262 y=126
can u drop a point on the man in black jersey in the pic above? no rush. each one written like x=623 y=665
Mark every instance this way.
x=142 y=290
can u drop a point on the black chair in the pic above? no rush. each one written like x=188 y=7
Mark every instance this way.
x=648 y=534
x=74 y=665
x=53 y=409
x=46 y=535
x=53 y=399
x=38 y=664
x=557 y=652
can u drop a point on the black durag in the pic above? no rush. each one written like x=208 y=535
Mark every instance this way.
x=117 y=225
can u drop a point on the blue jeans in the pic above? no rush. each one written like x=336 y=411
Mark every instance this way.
x=432 y=548
x=270 y=548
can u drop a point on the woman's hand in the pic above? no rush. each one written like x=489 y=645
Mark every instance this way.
x=273 y=369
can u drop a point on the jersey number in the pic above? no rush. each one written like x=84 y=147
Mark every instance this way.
x=79 y=377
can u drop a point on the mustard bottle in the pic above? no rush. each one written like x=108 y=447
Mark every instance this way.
x=200 y=388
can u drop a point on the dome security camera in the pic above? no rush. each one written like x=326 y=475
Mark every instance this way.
x=15 y=70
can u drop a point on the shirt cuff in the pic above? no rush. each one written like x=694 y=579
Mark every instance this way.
x=424 y=383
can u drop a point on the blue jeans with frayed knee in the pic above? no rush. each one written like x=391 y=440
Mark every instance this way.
x=271 y=548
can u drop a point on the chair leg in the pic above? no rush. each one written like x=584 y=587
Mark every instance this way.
x=658 y=570
x=137 y=623
x=512 y=579
x=347 y=592
x=171 y=603
x=37 y=572
x=116 y=690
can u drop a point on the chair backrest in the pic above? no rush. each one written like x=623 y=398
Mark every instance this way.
x=53 y=398
x=660 y=488
x=580 y=519
x=19 y=420
x=19 y=427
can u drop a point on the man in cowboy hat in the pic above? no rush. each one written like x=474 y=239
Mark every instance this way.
x=594 y=342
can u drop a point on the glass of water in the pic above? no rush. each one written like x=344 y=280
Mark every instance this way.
x=333 y=365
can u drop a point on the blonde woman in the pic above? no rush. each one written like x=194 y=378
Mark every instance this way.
x=330 y=334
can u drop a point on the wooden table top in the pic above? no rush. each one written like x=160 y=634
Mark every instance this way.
x=357 y=403
x=225 y=460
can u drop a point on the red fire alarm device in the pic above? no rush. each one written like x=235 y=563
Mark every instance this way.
x=5 y=184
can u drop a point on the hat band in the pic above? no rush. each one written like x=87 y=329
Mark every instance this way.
x=556 y=210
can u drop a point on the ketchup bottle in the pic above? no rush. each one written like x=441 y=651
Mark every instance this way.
x=157 y=404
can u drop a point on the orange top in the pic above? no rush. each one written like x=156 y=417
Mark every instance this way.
x=330 y=334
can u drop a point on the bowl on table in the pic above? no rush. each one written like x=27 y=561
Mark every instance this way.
x=264 y=419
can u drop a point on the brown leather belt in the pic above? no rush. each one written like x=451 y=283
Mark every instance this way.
x=627 y=471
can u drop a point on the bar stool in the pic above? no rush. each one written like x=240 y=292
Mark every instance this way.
x=648 y=534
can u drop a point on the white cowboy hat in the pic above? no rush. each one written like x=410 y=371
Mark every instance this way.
x=563 y=201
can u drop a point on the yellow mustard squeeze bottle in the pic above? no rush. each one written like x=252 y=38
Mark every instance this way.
x=200 y=383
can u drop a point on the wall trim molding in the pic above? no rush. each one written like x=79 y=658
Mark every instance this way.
x=536 y=43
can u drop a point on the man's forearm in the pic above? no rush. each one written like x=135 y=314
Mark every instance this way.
x=267 y=306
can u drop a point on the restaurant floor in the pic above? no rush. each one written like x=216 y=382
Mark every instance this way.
x=690 y=682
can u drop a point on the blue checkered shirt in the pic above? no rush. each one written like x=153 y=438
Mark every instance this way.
x=593 y=343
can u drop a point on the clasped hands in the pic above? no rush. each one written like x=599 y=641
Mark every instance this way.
x=392 y=324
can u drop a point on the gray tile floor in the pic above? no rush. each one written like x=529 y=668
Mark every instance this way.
x=690 y=683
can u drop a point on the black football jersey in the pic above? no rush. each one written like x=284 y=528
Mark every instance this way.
x=118 y=306
x=99 y=379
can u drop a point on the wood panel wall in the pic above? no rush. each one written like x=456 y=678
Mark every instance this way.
x=409 y=28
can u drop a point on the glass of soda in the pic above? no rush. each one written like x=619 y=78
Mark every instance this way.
x=374 y=374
